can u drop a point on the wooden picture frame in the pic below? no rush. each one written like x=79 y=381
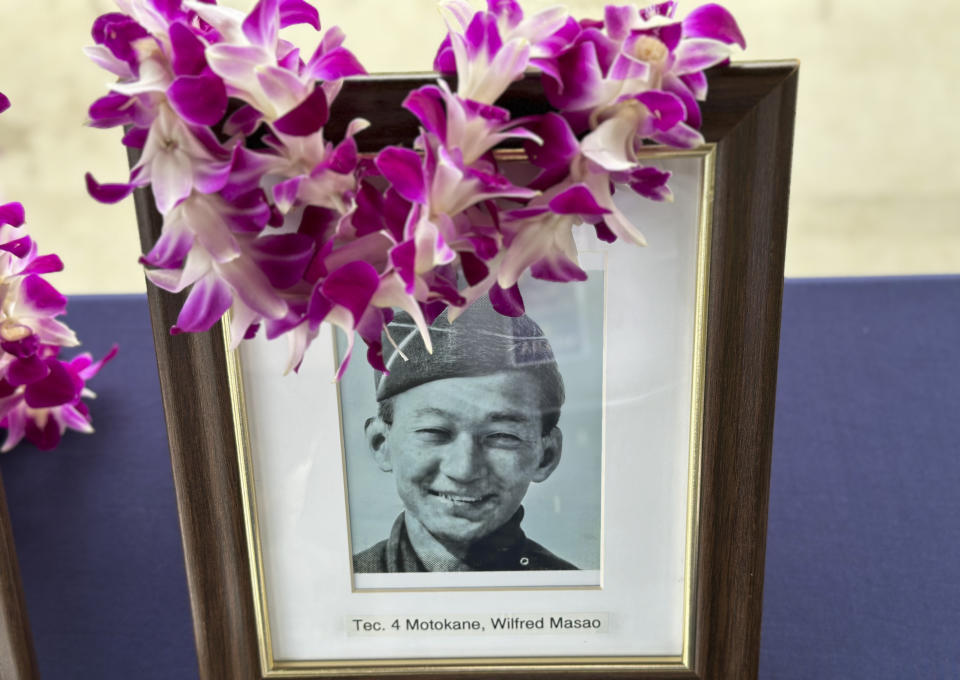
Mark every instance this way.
x=749 y=117
x=18 y=661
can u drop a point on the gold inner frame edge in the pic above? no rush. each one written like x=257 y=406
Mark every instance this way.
x=272 y=668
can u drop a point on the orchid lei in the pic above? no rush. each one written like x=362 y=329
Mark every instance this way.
x=303 y=230
x=41 y=395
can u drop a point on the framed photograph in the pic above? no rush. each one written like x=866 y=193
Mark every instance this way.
x=582 y=489
x=18 y=660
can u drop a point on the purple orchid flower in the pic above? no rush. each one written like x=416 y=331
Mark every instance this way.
x=331 y=174
x=304 y=230
x=492 y=49
x=41 y=406
x=465 y=125
x=206 y=245
x=176 y=160
x=349 y=292
x=30 y=304
x=260 y=68
x=576 y=189
x=440 y=187
x=40 y=395
x=644 y=56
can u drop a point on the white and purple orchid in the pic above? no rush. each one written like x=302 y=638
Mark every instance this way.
x=297 y=229
x=41 y=395
x=643 y=66
x=489 y=50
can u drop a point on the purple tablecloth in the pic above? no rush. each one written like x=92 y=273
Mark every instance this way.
x=862 y=577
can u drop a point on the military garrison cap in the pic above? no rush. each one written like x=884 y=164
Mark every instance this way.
x=481 y=341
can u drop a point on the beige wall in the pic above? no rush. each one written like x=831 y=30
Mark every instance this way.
x=876 y=185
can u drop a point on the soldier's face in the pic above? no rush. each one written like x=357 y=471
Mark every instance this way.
x=464 y=450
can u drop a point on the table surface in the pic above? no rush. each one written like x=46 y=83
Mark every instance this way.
x=862 y=575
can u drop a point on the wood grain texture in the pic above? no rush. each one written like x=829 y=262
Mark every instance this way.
x=749 y=114
x=18 y=661
x=743 y=339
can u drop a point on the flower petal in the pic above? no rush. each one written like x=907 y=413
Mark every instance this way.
x=533 y=239
x=697 y=54
x=676 y=86
x=559 y=146
x=445 y=62
x=507 y=66
x=508 y=11
x=604 y=233
x=236 y=63
x=307 y=118
x=283 y=258
x=294 y=12
x=200 y=100
x=45 y=437
x=93 y=368
x=253 y=287
x=697 y=82
x=581 y=78
x=403 y=169
x=557 y=267
x=27 y=370
x=352 y=286
x=713 y=21
x=403 y=257
x=52 y=332
x=508 y=301
x=12 y=214
x=483 y=35
x=111 y=110
x=611 y=145
x=204 y=216
x=107 y=193
x=18 y=247
x=391 y=293
x=426 y=103
x=667 y=109
x=208 y=300
x=24 y=347
x=577 y=200
x=242 y=121
x=283 y=89
x=171 y=179
x=682 y=136
x=619 y=20
x=43 y=297
x=261 y=25
x=74 y=419
x=135 y=137
x=58 y=387
x=104 y=58
x=188 y=50
x=627 y=67
x=651 y=183
x=336 y=64
x=196 y=265
x=16 y=423
x=45 y=264
x=171 y=248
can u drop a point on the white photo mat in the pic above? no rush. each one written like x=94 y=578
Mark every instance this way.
x=297 y=507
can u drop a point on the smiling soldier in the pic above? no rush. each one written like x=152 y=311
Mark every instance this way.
x=465 y=431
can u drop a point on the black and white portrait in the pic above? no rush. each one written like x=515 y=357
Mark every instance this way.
x=449 y=446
